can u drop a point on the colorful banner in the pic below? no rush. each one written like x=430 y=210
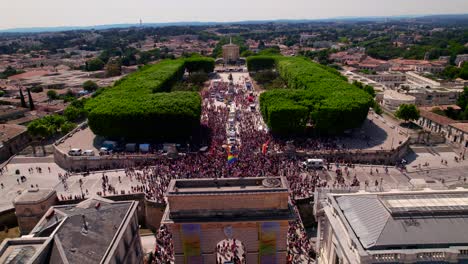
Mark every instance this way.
x=269 y=232
x=190 y=235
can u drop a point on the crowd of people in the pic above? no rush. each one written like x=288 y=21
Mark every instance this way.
x=253 y=160
x=230 y=250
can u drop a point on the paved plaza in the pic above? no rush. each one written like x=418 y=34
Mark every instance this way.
x=12 y=185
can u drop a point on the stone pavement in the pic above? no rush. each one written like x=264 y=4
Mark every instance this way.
x=11 y=187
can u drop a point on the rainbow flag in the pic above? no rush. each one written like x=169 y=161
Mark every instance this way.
x=232 y=158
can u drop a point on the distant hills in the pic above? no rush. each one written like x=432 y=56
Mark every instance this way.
x=457 y=18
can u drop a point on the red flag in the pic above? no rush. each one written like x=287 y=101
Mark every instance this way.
x=265 y=147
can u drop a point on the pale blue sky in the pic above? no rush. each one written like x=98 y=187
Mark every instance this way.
x=39 y=13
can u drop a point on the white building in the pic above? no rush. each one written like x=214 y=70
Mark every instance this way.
x=398 y=227
x=393 y=99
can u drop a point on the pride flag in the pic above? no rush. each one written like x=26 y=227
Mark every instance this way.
x=232 y=156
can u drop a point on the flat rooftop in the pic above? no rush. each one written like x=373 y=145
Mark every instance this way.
x=8 y=131
x=21 y=250
x=33 y=196
x=223 y=186
x=406 y=220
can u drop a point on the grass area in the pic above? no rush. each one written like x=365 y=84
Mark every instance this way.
x=11 y=233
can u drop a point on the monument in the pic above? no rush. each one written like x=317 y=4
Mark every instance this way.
x=219 y=220
x=230 y=52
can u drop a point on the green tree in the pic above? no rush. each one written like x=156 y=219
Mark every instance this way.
x=90 y=86
x=9 y=71
x=52 y=95
x=95 y=65
x=23 y=102
x=407 y=112
x=462 y=101
x=67 y=127
x=464 y=71
x=370 y=90
x=113 y=68
x=198 y=78
x=450 y=72
x=37 y=89
x=247 y=53
x=31 y=102
x=73 y=113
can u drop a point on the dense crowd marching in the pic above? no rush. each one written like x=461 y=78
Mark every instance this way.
x=252 y=162
x=252 y=136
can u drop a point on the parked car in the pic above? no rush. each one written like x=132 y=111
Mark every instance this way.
x=74 y=152
x=313 y=163
x=104 y=151
x=88 y=152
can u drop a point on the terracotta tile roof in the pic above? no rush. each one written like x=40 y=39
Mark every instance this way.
x=442 y=120
x=461 y=126
x=442 y=107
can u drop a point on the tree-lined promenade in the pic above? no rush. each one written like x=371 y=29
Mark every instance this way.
x=143 y=106
x=315 y=94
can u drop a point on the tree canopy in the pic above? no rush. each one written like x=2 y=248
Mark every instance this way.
x=315 y=94
x=407 y=112
x=50 y=125
x=95 y=65
x=90 y=86
x=142 y=106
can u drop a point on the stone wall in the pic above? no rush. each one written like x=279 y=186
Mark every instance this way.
x=229 y=201
x=29 y=214
x=384 y=157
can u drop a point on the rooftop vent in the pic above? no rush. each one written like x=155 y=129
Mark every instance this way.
x=271 y=183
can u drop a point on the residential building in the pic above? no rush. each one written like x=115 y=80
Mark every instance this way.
x=388 y=79
x=393 y=99
x=96 y=230
x=394 y=227
x=460 y=59
x=13 y=139
x=426 y=96
x=434 y=122
x=417 y=79
x=458 y=135
x=404 y=65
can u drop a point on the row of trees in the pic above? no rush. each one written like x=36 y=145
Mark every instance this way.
x=50 y=125
x=142 y=106
x=315 y=94
x=9 y=71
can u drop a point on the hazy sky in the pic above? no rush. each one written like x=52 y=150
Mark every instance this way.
x=39 y=13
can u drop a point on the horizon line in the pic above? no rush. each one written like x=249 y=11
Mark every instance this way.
x=39 y=29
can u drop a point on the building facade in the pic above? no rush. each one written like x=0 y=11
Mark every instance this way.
x=31 y=205
x=401 y=227
x=231 y=53
x=202 y=214
x=96 y=230
x=393 y=99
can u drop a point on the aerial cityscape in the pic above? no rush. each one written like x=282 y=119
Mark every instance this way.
x=337 y=137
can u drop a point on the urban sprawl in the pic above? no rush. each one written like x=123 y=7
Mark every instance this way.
x=277 y=142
